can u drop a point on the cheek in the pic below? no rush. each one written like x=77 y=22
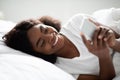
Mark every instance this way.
x=47 y=49
x=44 y=50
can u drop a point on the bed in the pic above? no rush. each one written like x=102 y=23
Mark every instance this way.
x=16 y=65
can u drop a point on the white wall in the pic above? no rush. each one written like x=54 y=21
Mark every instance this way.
x=16 y=10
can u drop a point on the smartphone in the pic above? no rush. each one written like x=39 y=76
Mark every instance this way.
x=88 y=28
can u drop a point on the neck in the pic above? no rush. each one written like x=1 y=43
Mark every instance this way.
x=68 y=50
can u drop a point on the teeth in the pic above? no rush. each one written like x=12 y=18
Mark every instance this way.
x=55 y=41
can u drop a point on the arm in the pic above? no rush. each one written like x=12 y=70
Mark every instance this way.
x=104 y=71
x=101 y=50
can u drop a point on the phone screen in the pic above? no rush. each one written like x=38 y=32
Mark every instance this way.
x=88 y=28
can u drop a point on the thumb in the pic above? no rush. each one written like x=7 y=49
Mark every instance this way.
x=94 y=22
x=86 y=42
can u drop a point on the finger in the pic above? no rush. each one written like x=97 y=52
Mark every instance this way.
x=104 y=44
x=102 y=33
x=100 y=43
x=86 y=42
x=95 y=37
x=110 y=38
x=109 y=35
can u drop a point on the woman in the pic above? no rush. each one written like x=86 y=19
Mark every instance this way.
x=42 y=39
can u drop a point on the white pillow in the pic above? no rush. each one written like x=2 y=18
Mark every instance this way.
x=18 y=65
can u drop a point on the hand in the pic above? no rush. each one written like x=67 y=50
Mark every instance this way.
x=98 y=47
x=108 y=36
x=106 y=33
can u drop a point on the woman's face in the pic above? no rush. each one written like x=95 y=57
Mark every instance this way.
x=45 y=39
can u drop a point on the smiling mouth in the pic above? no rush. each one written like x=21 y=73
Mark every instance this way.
x=55 y=39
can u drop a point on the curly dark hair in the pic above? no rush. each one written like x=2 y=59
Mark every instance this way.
x=17 y=38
